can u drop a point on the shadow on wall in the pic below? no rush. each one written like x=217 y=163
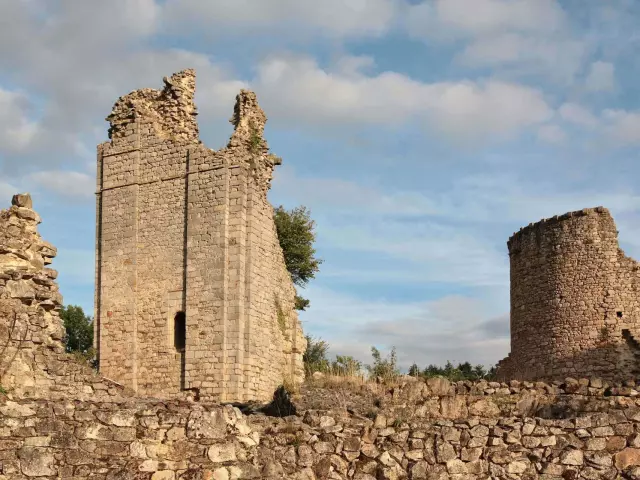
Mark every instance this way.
x=614 y=360
x=280 y=406
x=12 y=336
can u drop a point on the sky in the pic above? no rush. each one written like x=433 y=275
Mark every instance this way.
x=421 y=134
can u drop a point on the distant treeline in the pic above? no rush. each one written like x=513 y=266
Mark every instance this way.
x=316 y=360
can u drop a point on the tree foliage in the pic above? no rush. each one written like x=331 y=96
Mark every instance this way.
x=346 y=366
x=79 y=329
x=315 y=356
x=316 y=360
x=296 y=236
x=464 y=371
x=386 y=368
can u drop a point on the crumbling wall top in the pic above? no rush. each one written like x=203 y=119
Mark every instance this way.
x=172 y=110
x=547 y=223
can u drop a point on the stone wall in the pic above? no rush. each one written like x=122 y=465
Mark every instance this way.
x=33 y=362
x=183 y=228
x=575 y=308
x=431 y=430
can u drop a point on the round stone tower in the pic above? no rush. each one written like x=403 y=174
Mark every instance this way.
x=574 y=300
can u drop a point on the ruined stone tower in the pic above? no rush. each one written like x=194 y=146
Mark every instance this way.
x=192 y=292
x=575 y=301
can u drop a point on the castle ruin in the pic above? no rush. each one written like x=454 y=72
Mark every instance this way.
x=575 y=304
x=192 y=292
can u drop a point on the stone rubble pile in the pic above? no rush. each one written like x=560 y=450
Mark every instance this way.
x=33 y=362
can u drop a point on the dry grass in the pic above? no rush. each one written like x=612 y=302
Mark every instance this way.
x=292 y=386
x=356 y=393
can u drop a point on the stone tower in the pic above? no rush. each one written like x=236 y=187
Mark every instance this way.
x=192 y=292
x=575 y=300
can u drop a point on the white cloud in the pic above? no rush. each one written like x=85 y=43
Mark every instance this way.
x=551 y=134
x=73 y=62
x=7 y=191
x=577 y=114
x=16 y=129
x=448 y=254
x=295 y=88
x=455 y=234
x=601 y=77
x=515 y=37
x=338 y=18
x=345 y=197
x=522 y=54
x=622 y=126
x=451 y=18
x=64 y=183
x=452 y=328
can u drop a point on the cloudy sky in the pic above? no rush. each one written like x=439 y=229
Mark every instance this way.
x=420 y=133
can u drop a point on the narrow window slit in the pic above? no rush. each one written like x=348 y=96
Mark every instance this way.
x=179 y=331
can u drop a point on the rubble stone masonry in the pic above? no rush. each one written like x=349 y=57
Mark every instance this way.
x=575 y=300
x=185 y=232
x=427 y=430
x=33 y=362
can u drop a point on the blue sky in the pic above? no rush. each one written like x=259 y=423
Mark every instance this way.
x=420 y=133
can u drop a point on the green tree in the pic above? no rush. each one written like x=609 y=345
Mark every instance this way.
x=386 y=368
x=79 y=329
x=315 y=356
x=346 y=366
x=414 y=371
x=296 y=236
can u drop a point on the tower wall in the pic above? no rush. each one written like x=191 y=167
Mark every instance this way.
x=573 y=292
x=185 y=228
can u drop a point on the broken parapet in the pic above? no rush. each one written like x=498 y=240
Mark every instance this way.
x=172 y=109
x=33 y=361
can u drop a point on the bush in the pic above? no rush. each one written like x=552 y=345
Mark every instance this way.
x=464 y=371
x=315 y=356
x=386 y=368
x=346 y=366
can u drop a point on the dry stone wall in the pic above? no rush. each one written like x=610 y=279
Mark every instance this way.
x=575 y=303
x=33 y=362
x=183 y=228
x=432 y=430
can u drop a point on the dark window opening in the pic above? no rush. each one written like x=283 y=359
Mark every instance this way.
x=619 y=314
x=179 y=331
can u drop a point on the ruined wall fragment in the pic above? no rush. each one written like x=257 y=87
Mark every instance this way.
x=33 y=362
x=183 y=228
x=574 y=300
x=431 y=429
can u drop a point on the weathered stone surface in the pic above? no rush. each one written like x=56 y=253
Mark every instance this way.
x=568 y=275
x=22 y=200
x=33 y=361
x=185 y=247
x=210 y=425
x=222 y=453
x=36 y=462
x=628 y=457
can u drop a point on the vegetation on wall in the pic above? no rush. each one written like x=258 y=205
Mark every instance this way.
x=296 y=236
x=254 y=138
